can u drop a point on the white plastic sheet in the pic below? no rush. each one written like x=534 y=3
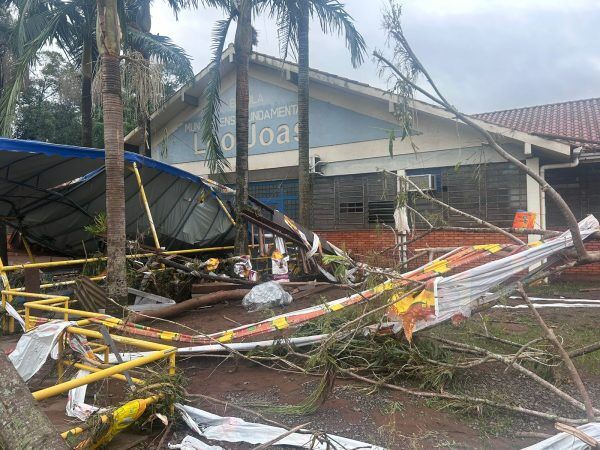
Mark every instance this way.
x=33 y=348
x=564 y=441
x=76 y=406
x=13 y=312
x=233 y=429
x=191 y=443
x=549 y=305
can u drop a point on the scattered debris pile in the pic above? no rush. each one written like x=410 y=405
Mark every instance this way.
x=367 y=335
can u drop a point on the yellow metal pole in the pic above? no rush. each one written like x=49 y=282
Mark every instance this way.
x=146 y=205
x=27 y=319
x=59 y=363
x=224 y=208
x=3 y=309
x=46 y=298
x=77 y=262
x=89 y=368
x=27 y=248
x=172 y=359
x=52 y=391
x=123 y=339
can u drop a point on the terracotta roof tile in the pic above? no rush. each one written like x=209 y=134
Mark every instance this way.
x=576 y=122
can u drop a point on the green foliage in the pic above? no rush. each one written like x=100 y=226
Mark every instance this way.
x=215 y=157
x=390 y=407
x=94 y=268
x=98 y=228
x=312 y=401
x=391 y=139
x=340 y=265
x=49 y=109
x=333 y=19
x=69 y=25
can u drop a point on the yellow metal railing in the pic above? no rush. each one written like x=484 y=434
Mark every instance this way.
x=60 y=304
x=82 y=261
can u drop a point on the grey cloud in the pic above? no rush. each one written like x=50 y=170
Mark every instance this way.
x=485 y=55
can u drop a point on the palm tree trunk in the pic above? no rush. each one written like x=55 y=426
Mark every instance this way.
x=109 y=45
x=243 y=49
x=86 y=93
x=22 y=424
x=304 y=180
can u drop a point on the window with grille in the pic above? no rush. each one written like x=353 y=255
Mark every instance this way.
x=351 y=207
x=381 y=212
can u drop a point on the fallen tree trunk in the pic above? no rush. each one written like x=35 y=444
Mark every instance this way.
x=22 y=424
x=187 y=305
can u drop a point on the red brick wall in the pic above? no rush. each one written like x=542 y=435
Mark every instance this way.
x=589 y=272
x=368 y=244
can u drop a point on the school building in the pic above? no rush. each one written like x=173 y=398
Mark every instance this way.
x=350 y=125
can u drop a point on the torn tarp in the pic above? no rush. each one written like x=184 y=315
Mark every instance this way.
x=233 y=429
x=51 y=192
x=35 y=346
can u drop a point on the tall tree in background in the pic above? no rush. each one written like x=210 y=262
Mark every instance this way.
x=150 y=46
x=48 y=108
x=72 y=26
x=83 y=41
x=240 y=11
x=293 y=19
x=6 y=50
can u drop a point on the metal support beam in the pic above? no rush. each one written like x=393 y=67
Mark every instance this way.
x=146 y=205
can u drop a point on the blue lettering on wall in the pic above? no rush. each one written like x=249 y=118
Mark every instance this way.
x=273 y=126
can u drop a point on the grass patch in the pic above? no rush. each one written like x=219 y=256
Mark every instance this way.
x=575 y=329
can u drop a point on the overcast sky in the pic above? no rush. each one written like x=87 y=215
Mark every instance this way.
x=485 y=54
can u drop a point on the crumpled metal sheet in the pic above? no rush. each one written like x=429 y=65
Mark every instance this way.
x=564 y=441
x=233 y=429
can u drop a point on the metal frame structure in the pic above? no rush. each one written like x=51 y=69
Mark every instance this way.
x=60 y=304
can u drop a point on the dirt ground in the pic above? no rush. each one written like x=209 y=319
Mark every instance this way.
x=390 y=419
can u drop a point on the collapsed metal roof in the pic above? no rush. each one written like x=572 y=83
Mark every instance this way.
x=51 y=192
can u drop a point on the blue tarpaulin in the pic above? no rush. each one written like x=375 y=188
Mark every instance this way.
x=50 y=192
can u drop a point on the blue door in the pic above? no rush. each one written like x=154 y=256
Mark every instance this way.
x=281 y=195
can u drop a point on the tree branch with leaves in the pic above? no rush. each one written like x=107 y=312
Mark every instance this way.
x=405 y=69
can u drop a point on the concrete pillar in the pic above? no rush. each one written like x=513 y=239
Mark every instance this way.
x=533 y=201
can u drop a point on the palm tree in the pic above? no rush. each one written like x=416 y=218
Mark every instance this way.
x=150 y=46
x=293 y=18
x=240 y=11
x=108 y=38
x=72 y=25
x=6 y=51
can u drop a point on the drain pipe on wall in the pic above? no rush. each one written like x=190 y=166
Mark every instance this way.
x=573 y=163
